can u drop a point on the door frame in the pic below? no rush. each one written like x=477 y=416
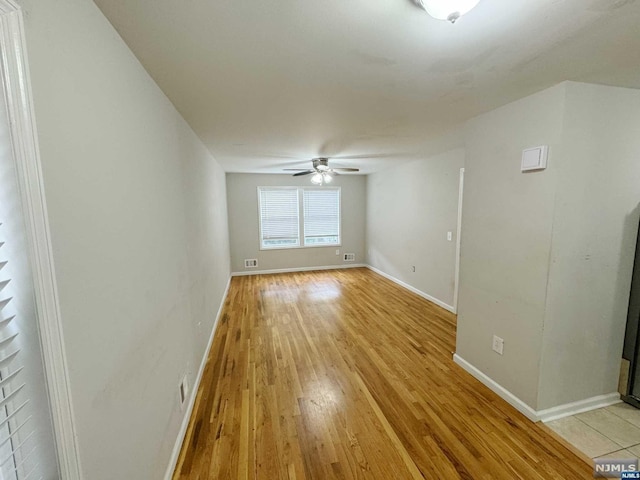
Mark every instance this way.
x=14 y=73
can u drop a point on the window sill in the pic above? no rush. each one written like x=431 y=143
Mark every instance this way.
x=289 y=247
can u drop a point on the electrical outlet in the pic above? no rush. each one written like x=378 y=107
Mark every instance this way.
x=498 y=344
x=337 y=251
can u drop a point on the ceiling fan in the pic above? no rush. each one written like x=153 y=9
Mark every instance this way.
x=322 y=172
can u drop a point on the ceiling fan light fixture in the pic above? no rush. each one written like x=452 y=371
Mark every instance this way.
x=321 y=173
x=322 y=178
x=450 y=10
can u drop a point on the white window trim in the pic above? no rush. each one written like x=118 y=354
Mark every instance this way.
x=15 y=73
x=300 y=219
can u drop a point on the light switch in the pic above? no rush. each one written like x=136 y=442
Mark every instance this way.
x=449 y=236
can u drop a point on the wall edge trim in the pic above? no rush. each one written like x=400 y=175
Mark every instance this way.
x=297 y=269
x=581 y=406
x=175 y=454
x=495 y=387
x=548 y=414
x=424 y=295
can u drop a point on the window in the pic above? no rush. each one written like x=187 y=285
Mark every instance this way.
x=281 y=223
x=321 y=216
x=279 y=219
x=26 y=429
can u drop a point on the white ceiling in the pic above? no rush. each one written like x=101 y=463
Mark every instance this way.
x=269 y=84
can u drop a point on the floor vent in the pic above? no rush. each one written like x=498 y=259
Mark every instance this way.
x=349 y=257
x=250 y=263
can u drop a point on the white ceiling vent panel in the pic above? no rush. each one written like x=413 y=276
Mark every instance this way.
x=535 y=158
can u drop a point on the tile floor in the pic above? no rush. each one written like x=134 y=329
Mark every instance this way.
x=611 y=432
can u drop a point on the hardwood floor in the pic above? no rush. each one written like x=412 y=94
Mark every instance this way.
x=343 y=374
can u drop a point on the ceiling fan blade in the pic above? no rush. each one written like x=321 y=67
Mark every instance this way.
x=292 y=157
x=295 y=169
x=277 y=155
x=307 y=172
x=371 y=155
x=345 y=169
x=299 y=163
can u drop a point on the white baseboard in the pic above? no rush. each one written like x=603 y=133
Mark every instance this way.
x=506 y=395
x=580 y=406
x=298 y=269
x=426 y=296
x=194 y=392
x=354 y=265
x=546 y=415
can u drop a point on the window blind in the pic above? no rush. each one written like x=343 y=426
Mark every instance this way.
x=27 y=446
x=279 y=217
x=321 y=216
x=18 y=459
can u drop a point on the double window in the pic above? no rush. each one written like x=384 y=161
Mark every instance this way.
x=292 y=217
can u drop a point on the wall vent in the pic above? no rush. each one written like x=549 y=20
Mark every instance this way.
x=349 y=257
x=250 y=263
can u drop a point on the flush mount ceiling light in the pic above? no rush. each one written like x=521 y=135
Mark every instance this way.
x=450 y=10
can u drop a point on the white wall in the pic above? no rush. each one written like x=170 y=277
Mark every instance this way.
x=410 y=209
x=138 y=220
x=547 y=256
x=506 y=239
x=242 y=198
x=594 y=231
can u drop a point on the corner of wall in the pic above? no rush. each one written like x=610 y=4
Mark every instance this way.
x=595 y=222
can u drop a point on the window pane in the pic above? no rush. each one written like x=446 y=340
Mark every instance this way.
x=321 y=216
x=279 y=221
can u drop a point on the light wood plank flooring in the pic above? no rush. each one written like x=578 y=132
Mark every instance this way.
x=343 y=374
